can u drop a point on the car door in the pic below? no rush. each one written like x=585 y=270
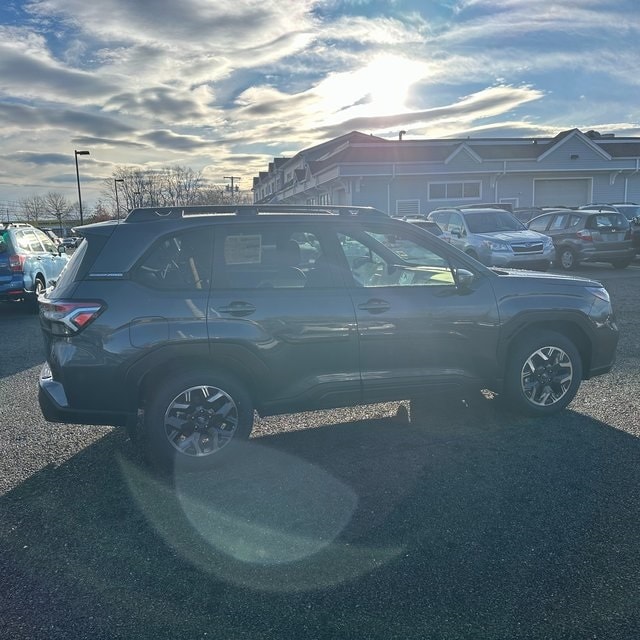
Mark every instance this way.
x=275 y=297
x=53 y=260
x=420 y=327
x=457 y=231
x=35 y=259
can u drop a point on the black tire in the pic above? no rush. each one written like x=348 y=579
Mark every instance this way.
x=620 y=264
x=32 y=299
x=472 y=254
x=543 y=374
x=194 y=420
x=566 y=259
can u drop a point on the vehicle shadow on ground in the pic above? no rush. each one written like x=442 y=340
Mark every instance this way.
x=31 y=351
x=473 y=524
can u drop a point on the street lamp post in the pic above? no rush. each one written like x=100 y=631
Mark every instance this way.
x=115 y=186
x=79 y=153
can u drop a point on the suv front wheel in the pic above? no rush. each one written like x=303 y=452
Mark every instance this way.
x=194 y=419
x=543 y=374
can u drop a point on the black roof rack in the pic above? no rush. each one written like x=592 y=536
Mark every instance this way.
x=147 y=214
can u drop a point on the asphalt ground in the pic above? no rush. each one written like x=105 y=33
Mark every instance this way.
x=337 y=524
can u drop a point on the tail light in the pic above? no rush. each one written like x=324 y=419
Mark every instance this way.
x=16 y=263
x=585 y=235
x=70 y=317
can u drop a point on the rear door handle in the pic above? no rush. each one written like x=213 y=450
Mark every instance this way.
x=238 y=309
x=375 y=305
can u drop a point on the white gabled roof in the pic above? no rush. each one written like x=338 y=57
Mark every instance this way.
x=563 y=137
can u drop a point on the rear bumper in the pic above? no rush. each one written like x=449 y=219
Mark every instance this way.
x=55 y=406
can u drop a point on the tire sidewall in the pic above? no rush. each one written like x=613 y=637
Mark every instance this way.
x=160 y=453
x=515 y=396
x=569 y=252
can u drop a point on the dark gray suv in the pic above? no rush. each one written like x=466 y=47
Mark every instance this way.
x=179 y=323
x=587 y=235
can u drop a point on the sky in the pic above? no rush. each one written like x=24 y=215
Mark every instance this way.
x=223 y=86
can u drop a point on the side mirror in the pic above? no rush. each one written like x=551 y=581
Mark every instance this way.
x=464 y=279
x=61 y=249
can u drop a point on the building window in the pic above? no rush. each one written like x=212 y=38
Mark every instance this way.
x=454 y=190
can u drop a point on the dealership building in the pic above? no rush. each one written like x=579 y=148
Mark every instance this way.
x=406 y=177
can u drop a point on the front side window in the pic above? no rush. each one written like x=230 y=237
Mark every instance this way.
x=393 y=258
x=539 y=224
x=559 y=222
x=46 y=241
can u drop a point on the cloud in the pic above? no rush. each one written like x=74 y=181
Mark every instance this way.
x=166 y=139
x=28 y=117
x=223 y=25
x=35 y=158
x=484 y=104
x=27 y=70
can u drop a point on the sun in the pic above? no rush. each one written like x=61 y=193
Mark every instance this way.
x=388 y=80
x=380 y=87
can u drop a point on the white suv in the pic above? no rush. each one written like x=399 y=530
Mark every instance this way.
x=495 y=237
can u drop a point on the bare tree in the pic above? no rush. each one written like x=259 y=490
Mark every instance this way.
x=167 y=187
x=212 y=194
x=181 y=185
x=33 y=208
x=100 y=213
x=57 y=206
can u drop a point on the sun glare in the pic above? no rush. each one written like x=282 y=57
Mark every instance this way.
x=379 y=88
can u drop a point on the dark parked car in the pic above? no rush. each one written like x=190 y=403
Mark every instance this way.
x=29 y=262
x=181 y=322
x=427 y=225
x=71 y=241
x=631 y=211
x=587 y=235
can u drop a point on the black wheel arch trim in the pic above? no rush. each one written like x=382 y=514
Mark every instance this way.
x=574 y=325
x=233 y=358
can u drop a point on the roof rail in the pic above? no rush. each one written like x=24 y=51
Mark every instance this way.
x=6 y=225
x=147 y=214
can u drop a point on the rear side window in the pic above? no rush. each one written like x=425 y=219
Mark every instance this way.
x=180 y=261
x=266 y=256
x=28 y=241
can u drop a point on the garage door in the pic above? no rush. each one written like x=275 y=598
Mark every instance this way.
x=569 y=192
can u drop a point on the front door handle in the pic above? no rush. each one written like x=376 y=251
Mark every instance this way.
x=238 y=309
x=375 y=305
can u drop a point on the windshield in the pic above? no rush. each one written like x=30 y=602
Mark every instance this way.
x=491 y=221
x=629 y=210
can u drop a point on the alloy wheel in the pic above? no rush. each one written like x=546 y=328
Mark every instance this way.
x=546 y=376
x=201 y=420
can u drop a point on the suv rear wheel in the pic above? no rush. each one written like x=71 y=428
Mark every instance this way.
x=194 y=419
x=32 y=299
x=543 y=374
x=567 y=258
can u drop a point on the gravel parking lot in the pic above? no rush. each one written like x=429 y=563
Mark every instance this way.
x=338 y=524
